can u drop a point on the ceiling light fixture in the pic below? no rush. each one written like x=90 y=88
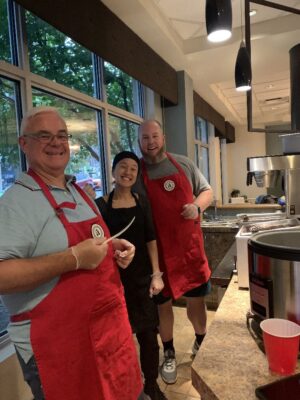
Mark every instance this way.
x=252 y=12
x=218 y=16
x=242 y=73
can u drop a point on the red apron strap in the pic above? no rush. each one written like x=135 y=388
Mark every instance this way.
x=174 y=162
x=57 y=207
x=86 y=198
x=20 y=317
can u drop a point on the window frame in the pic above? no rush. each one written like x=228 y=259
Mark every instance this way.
x=201 y=145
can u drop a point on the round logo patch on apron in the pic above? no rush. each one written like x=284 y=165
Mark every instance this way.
x=97 y=231
x=169 y=185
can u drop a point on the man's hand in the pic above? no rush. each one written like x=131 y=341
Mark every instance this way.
x=190 y=211
x=90 y=253
x=124 y=252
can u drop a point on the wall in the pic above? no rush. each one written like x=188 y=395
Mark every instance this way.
x=179 y=120
x=246 y=145
x=153 y=108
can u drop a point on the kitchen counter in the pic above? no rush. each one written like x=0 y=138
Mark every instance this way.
x=271 y=207
x=229 y=365
x=218 y=226
x=218 y=239
x=223 y=273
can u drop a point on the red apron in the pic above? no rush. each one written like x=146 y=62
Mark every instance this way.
x=179 y=240
x=80 y=334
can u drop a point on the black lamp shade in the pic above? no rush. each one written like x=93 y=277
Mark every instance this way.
x=218 y=14
x=243 y=74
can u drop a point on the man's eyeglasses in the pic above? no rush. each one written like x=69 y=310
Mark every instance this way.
x=45 y=137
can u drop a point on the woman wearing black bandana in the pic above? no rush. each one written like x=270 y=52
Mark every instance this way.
x=142 y=279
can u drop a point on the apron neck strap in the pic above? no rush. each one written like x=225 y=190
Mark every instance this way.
x=58 y=208
x=87 y=198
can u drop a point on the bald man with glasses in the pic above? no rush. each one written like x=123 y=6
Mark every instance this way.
x=59 y=279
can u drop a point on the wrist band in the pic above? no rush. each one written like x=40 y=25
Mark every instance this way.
x=75 y=254
x=198 y=208
x=157 y=275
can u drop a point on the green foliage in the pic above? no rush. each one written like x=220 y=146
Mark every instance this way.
x=119 y=87
x=4 y=34
x=57 y=57
x=9 y=151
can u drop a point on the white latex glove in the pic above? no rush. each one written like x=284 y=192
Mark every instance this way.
x=89 y=253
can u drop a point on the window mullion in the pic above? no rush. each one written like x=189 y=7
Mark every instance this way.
x=12 y=24
x=107 y=155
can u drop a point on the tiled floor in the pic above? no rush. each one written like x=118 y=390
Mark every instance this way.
x=183 y=339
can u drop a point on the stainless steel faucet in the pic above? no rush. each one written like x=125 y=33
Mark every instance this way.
x=214 y=203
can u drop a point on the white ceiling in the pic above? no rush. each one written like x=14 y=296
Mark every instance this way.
x=175 y=29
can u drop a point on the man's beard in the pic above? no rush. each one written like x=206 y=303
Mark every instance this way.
x=154 y=159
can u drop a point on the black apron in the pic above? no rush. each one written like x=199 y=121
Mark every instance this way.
x=136 y=277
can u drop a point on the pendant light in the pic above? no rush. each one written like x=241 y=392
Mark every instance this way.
x=242 y=73
x=218 y=16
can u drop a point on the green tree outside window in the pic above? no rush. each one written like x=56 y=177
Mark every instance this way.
x=57 y=57
x=5 y=53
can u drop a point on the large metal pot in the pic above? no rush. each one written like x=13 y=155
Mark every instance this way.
x=274 y=274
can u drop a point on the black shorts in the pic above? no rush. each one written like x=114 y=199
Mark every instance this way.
x=199 y=291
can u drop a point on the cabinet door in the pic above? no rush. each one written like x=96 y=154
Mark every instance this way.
x=216 y=245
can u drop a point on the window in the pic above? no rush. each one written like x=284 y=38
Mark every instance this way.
x=85 y=150
x=9 y=154
x=57 y=57
x=201 y=146
x=5 y=49
x=9 y=150
x=123 y=135
x=4 y=319
x=201 y=130
x=121 y=90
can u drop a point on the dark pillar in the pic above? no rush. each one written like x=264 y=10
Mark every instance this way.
x=295 y=87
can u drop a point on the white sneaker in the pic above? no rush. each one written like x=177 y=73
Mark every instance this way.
x=168 y=369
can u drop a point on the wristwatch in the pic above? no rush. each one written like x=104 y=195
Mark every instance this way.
x=198 y=208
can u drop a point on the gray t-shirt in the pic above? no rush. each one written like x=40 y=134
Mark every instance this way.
x=29 y=227
x=166 y=167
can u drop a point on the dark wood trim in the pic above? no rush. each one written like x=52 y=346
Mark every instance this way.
x=96 y=28
x=230 y=132
x=206 y=111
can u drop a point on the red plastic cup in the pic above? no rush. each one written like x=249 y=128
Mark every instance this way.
x=281 y=340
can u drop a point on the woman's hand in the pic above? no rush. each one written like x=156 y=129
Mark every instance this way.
x=156 y=285
x=89 y=190
x=124 y=252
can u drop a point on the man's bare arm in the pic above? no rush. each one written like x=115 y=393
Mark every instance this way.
x=18 y=275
